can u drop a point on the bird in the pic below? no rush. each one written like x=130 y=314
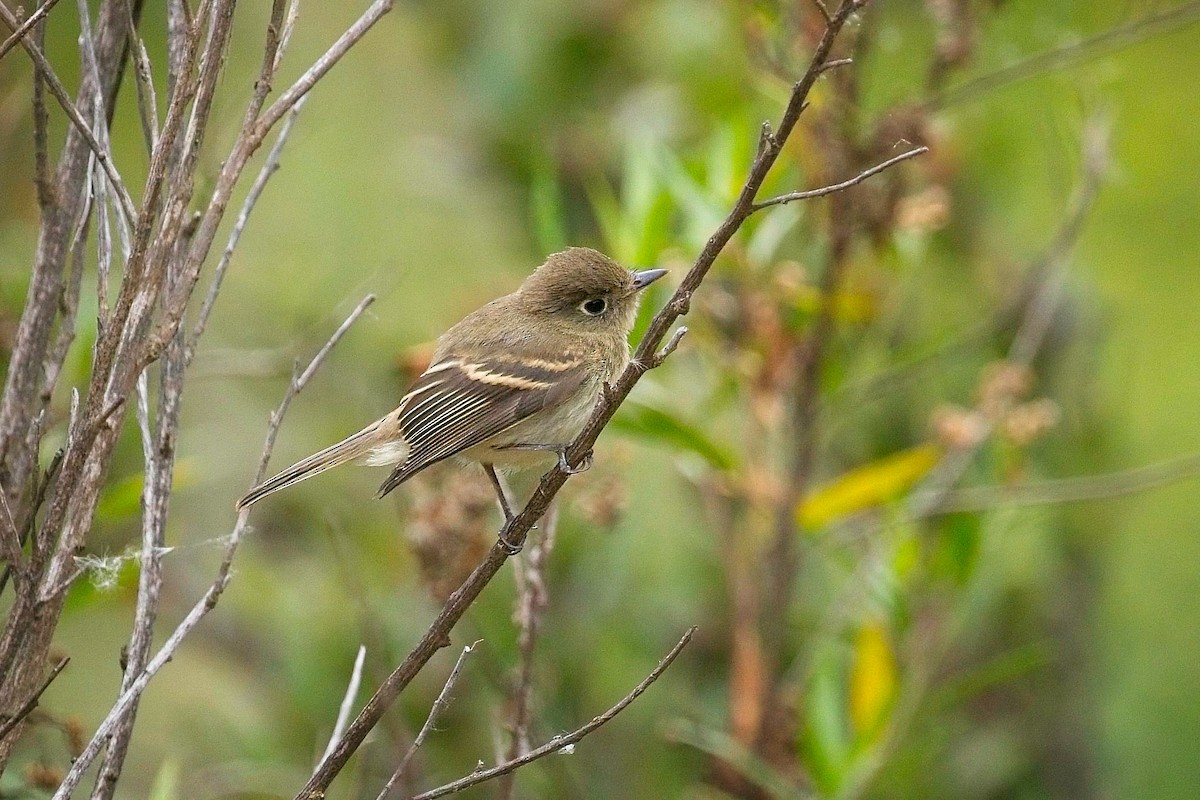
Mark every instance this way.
x=509 y=386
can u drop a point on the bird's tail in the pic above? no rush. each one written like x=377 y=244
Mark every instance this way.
x=362 y=445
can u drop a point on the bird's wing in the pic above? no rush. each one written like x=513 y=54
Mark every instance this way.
x=461 y=401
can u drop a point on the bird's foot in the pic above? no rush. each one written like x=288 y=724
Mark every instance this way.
x=558 y=449
x=509 y=547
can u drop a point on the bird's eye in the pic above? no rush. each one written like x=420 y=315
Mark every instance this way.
x=593 y=307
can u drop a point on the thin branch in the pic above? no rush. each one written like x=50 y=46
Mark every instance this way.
x=439 y=705
x=532 y=598
x=289 y=26
x=339 y=725
x=1073 y=490
x=29 y=705
x=130 y=696
x=516 y=529
x=144 y=78
x=41 y=146
x=791 y=197
x=269 y=168
x=561 y=743
x=322 y=65
x=24 y=28
x=1064 y=57
x=60 y=94
x=837 y=62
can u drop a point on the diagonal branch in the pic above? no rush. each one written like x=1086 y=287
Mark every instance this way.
x=68 y=105
x=435 y=711
x=1073 y=490
x=1072 y=54
x=26 y=26
x=132 y=694
x=561 y=743
x=645 y=357
x=29 y=705
x=291 y=96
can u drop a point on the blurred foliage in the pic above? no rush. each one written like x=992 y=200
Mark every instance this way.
x=1041 y=652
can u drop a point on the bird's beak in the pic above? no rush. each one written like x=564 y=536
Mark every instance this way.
x=645 y=277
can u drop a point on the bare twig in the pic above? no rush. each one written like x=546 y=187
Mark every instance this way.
x=269 y=168
x=41 y=146
x=784 y=199
x=289 y=26
x=1070 y=55
x=517 y=528
x=532 y=598
x=305 y=82
x=561 y=743
x=29 y=705
x=1073 y=490
x=343 y=716
x=158 y=449
x=435 y=711
x=144 y=77
x=33 y=19
x=68 y=105
x=133 y=692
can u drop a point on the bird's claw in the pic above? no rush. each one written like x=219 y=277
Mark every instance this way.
x=509 y=548
x=584 y=465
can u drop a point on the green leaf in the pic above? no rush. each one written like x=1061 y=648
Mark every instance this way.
x=646 y=422
x=827 y=740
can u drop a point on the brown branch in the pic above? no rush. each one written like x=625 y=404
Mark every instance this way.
x=30 y=623
x=29 y=705
x=68 y=105
x=784 y=199
x=144 y=78
x=255 y=127
x=158 y=447
x=41 y=145
x=37 y=16
x=516 y=529
x=532 y=598
x=322 y=65
x=560 y=743
x=343 y=715
x=435 y=711
x=269 y=168
x=132 y=694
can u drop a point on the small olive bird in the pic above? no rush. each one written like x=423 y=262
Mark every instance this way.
x=509 y=386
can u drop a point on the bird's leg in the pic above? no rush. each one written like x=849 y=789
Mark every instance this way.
x=560 y=450
x=505 y=508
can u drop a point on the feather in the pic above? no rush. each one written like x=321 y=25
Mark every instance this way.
x=363 y=444
x=461 y=402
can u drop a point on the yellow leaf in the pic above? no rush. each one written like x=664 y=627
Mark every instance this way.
x=848 y=306
x=872 y=679
x=866 y=486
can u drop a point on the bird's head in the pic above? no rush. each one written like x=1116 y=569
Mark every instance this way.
x=587 y=290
